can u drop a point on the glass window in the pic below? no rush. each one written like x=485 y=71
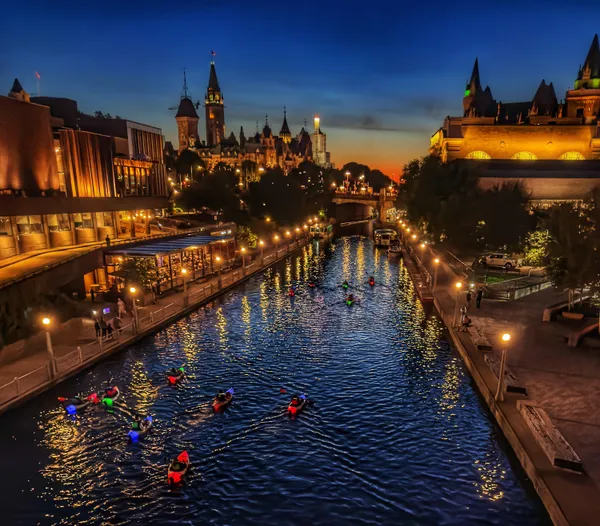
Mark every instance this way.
x=524 y=156
x=5 y=226
x=29 y=225
x=58 y=222
x=478 y=155
x=571 y=156
x=104 y=219
x=83 y=220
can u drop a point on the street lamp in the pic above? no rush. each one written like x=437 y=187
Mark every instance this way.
x=500 y=390
x=218 y=260
x=243 y=251
x=183 y=273
x=423 y=246
x=458 y=287
x=261 y=243
x=46 y=323
x=276 y=239
x=268 y=219
x=436 y=262
x=133 y=291
x=414 y=237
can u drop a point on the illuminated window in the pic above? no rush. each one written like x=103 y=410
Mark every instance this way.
x=478 y=155
x=83 y=220
x=29 y=225
x=5 y=226
x=58 y=222
x=524 y=156
x=571 y=156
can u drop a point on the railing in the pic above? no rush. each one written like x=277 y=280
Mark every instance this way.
x=71 y=361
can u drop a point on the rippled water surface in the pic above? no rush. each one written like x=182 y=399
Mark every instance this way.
x=397 y=434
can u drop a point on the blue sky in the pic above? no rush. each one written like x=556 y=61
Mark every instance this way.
x=382 y=76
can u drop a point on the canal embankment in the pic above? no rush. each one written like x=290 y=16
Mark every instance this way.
x=32 y=375
x=569 y=497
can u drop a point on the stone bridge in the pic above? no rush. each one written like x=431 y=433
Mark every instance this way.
x=382 y=201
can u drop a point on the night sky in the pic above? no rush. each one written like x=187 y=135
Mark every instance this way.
x=382 y=76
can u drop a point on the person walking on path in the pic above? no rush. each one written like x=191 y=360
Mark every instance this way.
x=97 y=328
x=468 y=299
x=120 y=308
x=479 y=297
x=107 y=239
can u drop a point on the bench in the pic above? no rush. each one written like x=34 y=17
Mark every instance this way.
x=576 y=336
x=479 y=339
x=572 y=315
x=555 y=446
x=512 y=384
x=551 y=311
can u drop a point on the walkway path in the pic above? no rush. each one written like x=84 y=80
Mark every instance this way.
x=564 y=381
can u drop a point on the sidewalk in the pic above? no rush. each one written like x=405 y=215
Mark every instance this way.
x=75 y=345
x=564 y=381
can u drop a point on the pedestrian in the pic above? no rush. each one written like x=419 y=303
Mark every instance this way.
x=463 y=313
x=479 y=297
x=103 y=327
x=120 y=308
x=107 y=239
x=468 y=299
x=92 y=294
x=117 y=324
x=97 y=328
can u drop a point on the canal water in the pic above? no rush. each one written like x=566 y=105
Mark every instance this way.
x=396 y=435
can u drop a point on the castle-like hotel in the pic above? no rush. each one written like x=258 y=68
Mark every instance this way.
x=501 y=140
x=264 y=149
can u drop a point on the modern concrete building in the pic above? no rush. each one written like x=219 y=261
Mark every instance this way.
x=552 y=147
x=67 y=178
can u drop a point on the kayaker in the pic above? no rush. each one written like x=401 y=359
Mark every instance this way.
x=371 y=281
x=221 y=396
x=345 y=285
x=111 y=392
x=296 y=400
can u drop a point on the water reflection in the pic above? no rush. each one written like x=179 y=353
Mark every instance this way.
x=396 y=435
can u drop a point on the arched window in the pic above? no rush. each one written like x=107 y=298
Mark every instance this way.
x=524 y=156
x=478 y=155
x=571 y=156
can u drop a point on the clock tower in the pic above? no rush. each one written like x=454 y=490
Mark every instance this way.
x=215 y=109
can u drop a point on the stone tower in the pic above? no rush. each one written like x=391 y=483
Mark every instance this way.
x=584 y=99
x=187 y=120
x=215 y=110
x=285 y=133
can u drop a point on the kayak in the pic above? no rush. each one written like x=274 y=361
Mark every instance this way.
x=144 y=426
x=293 y=410
x=72 y=405
x=178 y=468
x=349 y=302
x=175 y=375
x=372 y=283
x=109 y=400
x=222 y=404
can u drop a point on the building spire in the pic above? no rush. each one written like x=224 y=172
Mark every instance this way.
x=474 y=82
x=185 y=88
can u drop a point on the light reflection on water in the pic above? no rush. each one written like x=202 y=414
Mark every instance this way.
x=397 y=434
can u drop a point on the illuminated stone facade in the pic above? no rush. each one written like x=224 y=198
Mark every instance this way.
x=551 y=146
x=265 y=149
x=542 y=128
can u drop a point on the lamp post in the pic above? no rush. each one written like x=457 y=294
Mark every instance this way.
x=436 y=262
x=276 y=239
x=46 y=323
x=132 y=291
x=287 y=236
x=243 y=251
x=423 y=246
x=500 y=390
x=184 y=275
x=261 y=243
x=218 y=260
x=458 y=286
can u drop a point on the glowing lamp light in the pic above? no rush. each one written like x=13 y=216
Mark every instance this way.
x=243 y=249
x=305 y=226
x=422 y=245
x=287 y=234
x=276 y=238
x=218 y=258
x=46 y=321
x=268 y=219
x=458 y=285
x=506 y=337
x=261 y=243
x=408 y=229
x=184 y=271
x=132 y=290
x=436 y=261
x=297 y=229
x=414 y=236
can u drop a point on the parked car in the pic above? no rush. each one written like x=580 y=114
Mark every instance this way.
x=500 y=259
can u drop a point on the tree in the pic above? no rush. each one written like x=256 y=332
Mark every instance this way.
x=215 y=191
x=279 y=197
x=142 y=271
x=246 y=237
x=189 y=164
x=573 y=248
x=537 y=248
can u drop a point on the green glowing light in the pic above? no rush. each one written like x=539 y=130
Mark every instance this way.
x=467 y=92
x=108 y=402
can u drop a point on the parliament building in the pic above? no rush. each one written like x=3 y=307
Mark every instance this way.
x=552 y=146
x=264 y=148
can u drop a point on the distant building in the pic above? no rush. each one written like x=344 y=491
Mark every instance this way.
x=502 y=139
x=319 y=140
x=264 y=148
x=68 y=178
